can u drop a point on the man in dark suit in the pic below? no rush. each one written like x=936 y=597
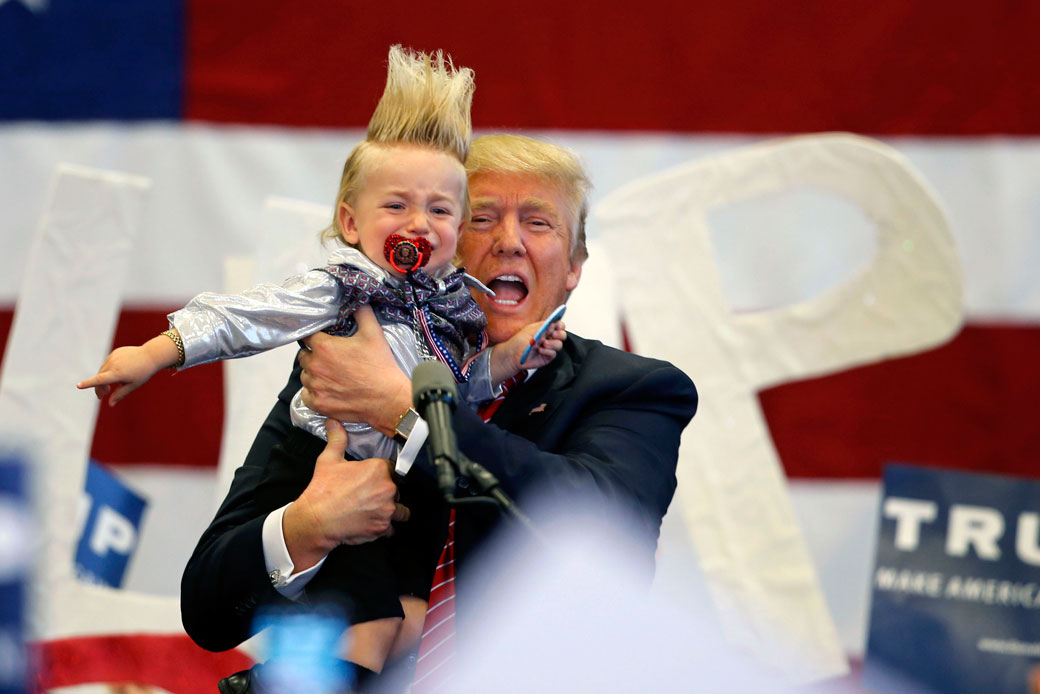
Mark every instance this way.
x=596 y=423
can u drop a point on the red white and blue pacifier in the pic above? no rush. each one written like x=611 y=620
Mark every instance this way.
x=406 y=255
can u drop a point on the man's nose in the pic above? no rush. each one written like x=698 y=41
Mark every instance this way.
x=508 y=240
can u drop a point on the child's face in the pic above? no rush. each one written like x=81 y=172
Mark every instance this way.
x=411 y=191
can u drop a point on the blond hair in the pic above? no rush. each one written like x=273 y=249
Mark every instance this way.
x=426 y=103
x=558 y=166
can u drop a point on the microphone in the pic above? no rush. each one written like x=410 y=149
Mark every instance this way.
x=434 y=395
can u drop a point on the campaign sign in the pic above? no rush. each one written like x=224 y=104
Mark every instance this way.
x=956 y=588
x=15 y=562
x=110 y=529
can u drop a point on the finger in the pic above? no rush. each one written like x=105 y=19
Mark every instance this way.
x=554 y=337
x=102 y=391
x=392 y=467
x=401 y=513
x=120 y=392
x=314 y=341
x=366 y=321
x=336 y=437
x=305 y=356
x=101 y=378
x=551 y=346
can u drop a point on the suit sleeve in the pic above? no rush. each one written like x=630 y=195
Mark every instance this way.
x=226 y=580
x=228 y=326
x=614 y=442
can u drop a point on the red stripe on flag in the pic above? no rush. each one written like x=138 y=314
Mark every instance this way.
x=6 y=318
x=172 y=662
x=174 y=419
x=890 y=67
x=968 y=405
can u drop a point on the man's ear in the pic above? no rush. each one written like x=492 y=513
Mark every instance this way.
x=348 y=223
x=573 y=275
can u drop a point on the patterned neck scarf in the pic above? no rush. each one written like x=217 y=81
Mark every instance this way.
x=453 y=312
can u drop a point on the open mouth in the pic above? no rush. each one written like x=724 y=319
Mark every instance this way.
x=509 y=290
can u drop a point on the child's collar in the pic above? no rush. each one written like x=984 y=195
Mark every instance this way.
x=353 y=256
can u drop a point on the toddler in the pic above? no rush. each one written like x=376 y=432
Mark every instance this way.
x=402 y=202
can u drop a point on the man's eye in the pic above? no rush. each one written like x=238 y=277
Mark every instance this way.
x=480 y=219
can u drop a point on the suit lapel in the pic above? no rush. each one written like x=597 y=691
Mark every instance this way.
x=526 y=410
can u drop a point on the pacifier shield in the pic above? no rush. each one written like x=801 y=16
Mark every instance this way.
x=406 y=255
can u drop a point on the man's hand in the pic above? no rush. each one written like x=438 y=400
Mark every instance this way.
x=355 y=379
x=347 y=502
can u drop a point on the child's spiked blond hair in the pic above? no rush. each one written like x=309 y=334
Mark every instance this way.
x=426 y=103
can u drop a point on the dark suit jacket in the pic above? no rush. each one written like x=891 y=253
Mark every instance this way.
x=596 y=422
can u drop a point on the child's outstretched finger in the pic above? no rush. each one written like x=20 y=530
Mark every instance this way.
x=101 y=378
x=120 y=392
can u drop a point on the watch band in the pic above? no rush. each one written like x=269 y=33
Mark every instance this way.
x=405 y=425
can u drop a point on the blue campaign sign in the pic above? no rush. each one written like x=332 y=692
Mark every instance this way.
x=956 y=586
x=15 y=560
x=111 y=528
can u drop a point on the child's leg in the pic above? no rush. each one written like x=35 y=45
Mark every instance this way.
x=414 y=551
x=358 y=579
x=369 y=644
x=355 y=578
x=411 y=628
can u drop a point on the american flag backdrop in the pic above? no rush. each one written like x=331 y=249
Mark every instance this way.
x=224 y=104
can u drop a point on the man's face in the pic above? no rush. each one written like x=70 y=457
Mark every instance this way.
x=518 y=243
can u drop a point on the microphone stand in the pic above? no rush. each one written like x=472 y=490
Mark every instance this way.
x=434 y=394
x=486 y=483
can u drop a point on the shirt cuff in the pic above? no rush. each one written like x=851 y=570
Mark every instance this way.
x=276 y=557
x=477 y=387
x=412 y=447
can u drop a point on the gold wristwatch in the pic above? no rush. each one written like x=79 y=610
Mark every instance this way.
x=405 y=425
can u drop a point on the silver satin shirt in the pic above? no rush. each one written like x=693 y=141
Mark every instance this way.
x=221 y=326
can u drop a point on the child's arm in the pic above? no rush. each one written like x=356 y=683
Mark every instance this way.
x=129 y=367
x=505 y=356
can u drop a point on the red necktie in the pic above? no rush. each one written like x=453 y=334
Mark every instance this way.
x=437 y=646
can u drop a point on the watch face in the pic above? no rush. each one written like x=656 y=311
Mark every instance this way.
x=405 y=425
